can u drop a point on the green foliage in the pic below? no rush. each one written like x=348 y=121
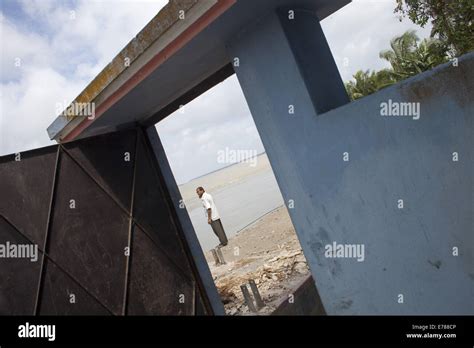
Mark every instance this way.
x=407 y=58
x=452 y=35
x=366 y=82
x=452 y=21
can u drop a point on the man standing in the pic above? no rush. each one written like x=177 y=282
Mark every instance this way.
x=212 y=214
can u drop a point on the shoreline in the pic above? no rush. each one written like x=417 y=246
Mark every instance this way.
x=267 y=251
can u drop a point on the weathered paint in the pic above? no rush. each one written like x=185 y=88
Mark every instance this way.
x=408 y=251
x=161 y=23
x=194 y=46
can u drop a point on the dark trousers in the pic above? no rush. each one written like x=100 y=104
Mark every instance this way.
x=219 y=231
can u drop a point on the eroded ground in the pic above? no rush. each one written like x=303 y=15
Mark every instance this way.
x=268 y=252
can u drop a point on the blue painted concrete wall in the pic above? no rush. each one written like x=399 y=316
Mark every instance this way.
x=408 y=251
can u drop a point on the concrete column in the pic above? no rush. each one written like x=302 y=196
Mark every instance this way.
x=288 y=76
x=313 y=58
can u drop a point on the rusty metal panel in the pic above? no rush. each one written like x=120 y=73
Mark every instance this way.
x=61 y=295
x=19 y=277
x=156 y=286
x=25 y=190
x=89 y=234
x=74 y=201
x=151 y=211
x=110 y=161
x=210 y=296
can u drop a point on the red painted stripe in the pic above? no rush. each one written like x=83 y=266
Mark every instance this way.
x=215 y=11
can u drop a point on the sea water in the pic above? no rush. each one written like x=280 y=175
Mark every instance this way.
x=239 y=203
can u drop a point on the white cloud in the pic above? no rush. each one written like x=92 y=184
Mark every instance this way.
x=217 y=119
x=220 y=118
x=68 y=49
x=359 y=31
x=61 y=52
x=25 y=48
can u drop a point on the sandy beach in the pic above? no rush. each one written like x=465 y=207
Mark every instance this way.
x=243 y=193
x=268 y=252
x=262 y=241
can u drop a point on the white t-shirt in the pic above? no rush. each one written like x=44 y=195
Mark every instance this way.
x=208 y=202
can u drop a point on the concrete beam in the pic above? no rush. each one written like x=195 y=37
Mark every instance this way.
x=141 y=86
x=172 y=28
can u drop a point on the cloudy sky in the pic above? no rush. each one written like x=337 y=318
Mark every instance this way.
x=51 y=50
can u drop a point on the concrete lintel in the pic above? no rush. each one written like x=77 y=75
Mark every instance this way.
x=193 y=45
x=162 y=31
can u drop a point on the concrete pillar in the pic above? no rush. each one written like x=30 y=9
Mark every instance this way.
x=288 y=76
x=313 y=58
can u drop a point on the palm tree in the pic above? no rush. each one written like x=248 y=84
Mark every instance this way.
x=407 y=58
x=366 y=82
